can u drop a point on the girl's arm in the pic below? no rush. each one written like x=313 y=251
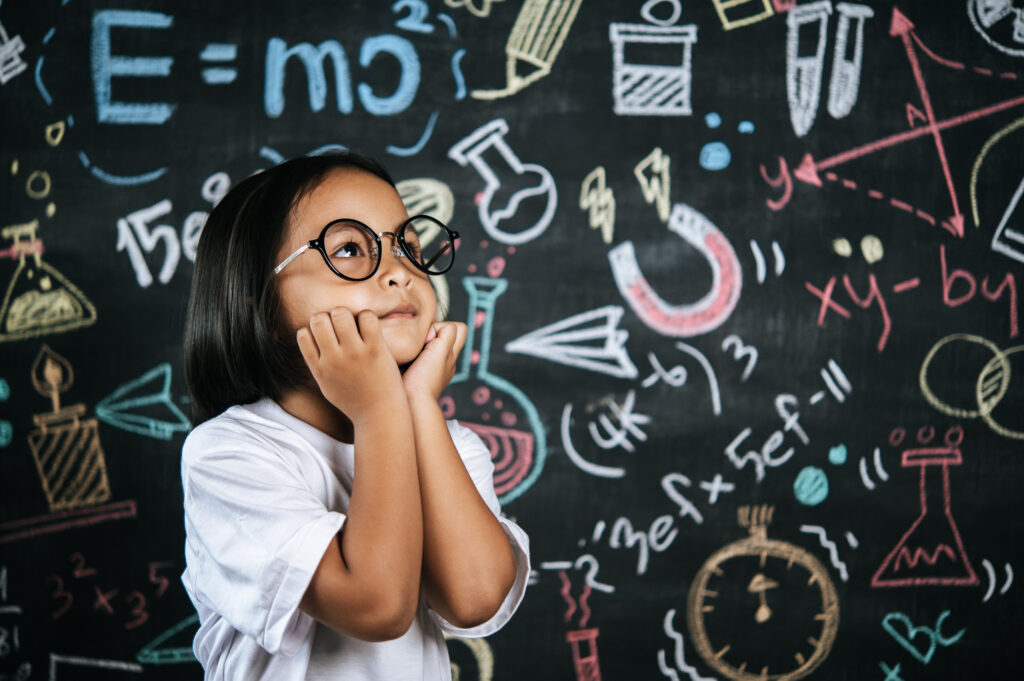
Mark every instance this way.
x=367 y=583
x=468 y=563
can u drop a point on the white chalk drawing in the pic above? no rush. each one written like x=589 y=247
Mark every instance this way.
x=589 y=340
x=845 y=82
x=805 y=61
x=646 y=89
x=532 y=180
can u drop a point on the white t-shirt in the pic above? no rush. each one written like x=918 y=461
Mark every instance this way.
x=264 y=494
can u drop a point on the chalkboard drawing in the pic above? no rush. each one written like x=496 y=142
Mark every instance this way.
x=805 y=61
x=930 y=551
x=845 y=82
x=655 y=181
x=158 y=652
x=67 y=451
x=474 y=393
x=693 y=319
x=11 y=63
x=427 y=196
x=588 y=340
x=999 y=23
x=483 y=658
x=483 y=10
x=762 y=609
x=39 y=300
x=1010 y=242
x=584 y=654
x=141 y=406
x=737 y=13
x=643 y=88
x=534 y=44
x=488 y=152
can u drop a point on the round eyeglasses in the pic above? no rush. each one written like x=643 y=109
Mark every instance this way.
x=353 y=251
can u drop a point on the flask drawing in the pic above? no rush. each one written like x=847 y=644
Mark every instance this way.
x=495 y=409
x=489 y=154
x=66 y=448
x=930 y=551
x=38 y=300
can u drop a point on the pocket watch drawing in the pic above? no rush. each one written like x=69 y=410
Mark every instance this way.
x=762 y=609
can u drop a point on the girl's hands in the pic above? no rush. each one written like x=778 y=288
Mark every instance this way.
x=433 y=368
x=350 y=361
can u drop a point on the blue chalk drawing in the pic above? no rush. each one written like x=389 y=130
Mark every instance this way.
x=5 y=390
x=105 y=66
x=408 y=82
x=811 y=486
x=933 y=634
x=460 y=80
x=713 y=120
x=152 y=653
x=120 y=180
x=715 y=156
x=122 y=407
x=422 y=142
x=746 y=127
x=837 y=455
x=39 y=82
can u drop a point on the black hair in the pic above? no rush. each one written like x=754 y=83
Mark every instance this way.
x=233 y=351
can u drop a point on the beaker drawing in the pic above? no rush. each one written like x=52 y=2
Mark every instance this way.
x=489 y=154
x=66 y=448
x=659 y=85
x=39 y=300
x=930 y=551
x=495 y=409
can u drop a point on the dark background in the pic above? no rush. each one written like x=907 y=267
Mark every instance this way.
x=84 y=595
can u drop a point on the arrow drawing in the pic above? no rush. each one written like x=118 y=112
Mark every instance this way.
x=589 y=340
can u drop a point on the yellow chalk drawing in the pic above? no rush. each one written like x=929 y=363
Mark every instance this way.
x=736 y=598
x=481 y=650
x=427 y=196
x=66 y=448
x=737 y=13
x=976 y=168
x=653 y=175
x=871 y=247
x=483 y=10
x=599 y=200
x=533 y=44
x=38 y=300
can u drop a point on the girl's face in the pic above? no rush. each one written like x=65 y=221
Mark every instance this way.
x=398 y=293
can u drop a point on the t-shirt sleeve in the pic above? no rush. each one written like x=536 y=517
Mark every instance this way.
x=255 y=534
x=477 y=459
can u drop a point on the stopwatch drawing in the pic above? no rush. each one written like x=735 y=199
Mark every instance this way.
x=762 y=609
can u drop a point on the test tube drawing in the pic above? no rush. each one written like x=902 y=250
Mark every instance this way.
x=804 y=67
x=659 y=89
x=38 y=300
x=584 y=653
x=845 y=82
x=533 y=44
x=66 y=448
x=487 y=151
x=930 y=551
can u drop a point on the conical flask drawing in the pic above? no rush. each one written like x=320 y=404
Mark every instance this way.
x=488 y=152
x=930 y=551
x=495 y=409
x=38 y=300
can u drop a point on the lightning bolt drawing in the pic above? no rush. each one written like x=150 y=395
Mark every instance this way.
x=656 y=185
x=599 y=199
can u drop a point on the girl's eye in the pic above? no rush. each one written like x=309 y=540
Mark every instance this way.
x=349 y=250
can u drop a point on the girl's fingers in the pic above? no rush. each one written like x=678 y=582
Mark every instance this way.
x=344 y=324
x=322 y=327
x=308 y=347
x=369 y=327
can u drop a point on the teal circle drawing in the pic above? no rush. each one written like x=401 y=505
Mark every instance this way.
x=6 y=433
x=5 y=390
x=715 y=156
x=837 y=455
x=811 y=486
x=713 y=120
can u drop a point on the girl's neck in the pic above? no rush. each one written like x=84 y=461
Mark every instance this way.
x=310 y=406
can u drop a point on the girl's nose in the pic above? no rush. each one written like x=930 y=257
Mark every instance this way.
x=394 y=268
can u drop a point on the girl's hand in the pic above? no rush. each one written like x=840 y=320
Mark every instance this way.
x=433 y=368
x=350 y=361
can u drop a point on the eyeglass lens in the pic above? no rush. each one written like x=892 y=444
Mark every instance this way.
x=352 y=247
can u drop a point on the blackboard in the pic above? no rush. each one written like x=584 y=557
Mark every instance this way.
x=743 y=279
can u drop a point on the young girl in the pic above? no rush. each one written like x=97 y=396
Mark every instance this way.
x=336 y=523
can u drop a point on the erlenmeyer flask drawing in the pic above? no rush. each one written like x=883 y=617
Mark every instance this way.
x=930 y=551
x=66 y=448
x=39 y=300
x=491 y=406
x=489 y=154
x=804 y=67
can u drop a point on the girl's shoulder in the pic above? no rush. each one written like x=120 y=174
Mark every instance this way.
x=238 y=427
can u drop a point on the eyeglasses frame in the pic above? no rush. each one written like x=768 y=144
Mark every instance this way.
x=398 y=235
